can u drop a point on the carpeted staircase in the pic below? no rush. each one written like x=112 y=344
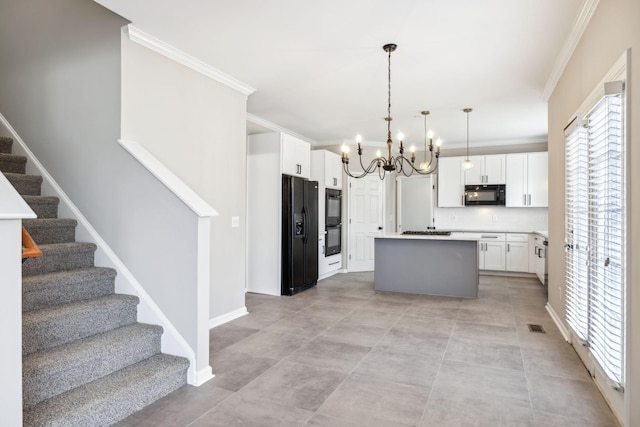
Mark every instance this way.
x=86 y=361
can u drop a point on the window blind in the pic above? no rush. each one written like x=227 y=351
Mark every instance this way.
x=595 y=234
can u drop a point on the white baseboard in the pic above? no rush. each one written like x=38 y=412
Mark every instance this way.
x=563 y=330
x=228 y=317
x=201 y=377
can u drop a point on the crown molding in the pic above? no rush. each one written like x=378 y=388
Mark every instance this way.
x=277 y=128
x=147 y=40
x=569 y=46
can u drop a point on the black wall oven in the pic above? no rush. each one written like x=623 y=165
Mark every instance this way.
x=333 y=222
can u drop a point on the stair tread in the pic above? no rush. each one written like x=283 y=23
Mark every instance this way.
x=52 y=371
x=111 y=398
x=5 y=144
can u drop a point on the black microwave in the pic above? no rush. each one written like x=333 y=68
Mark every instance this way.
x=483 y=195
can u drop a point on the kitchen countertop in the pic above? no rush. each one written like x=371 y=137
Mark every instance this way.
x=454 y=236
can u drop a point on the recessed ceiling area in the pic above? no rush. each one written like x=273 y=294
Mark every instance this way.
x=319 y=69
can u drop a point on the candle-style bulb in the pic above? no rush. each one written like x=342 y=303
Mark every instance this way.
x=358 y=138
x=378 y=154
x=430 y=134
x=412 y=149
x=400 y=136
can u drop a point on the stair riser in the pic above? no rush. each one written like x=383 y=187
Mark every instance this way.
x=12 y=165
x=65 y=292
x=103 y=361
x=5 y=145
x=49 y=263
x=54 y=234
x=25 y=185
x=44 y=207
x=41 y=335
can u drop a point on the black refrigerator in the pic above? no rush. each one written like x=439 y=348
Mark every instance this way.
x=299 y=234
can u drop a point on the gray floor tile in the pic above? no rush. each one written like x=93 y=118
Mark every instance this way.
x=486 y=333
x=301 y=325
x=329 y=354
x=437 y=312
x=370 y=317
x=376 y=402
x=479 y=352
x=569 y=398
x=244 y=410
x=233 y=369
x=179 y=408
x=273 y=345
x=455 y=413
x=480 y=385
x=260 y=318
x=557 y=359
x=548 y=420
x=487 y=317
x=386 y=305
x=224 y=335
x=353 y=333
x=300 y=386
x=401 y=365
x=326 y=311
x=420 y=333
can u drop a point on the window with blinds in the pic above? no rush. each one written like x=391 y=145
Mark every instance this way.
x=595 y=231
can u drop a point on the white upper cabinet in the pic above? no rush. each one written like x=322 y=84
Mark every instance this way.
x=450 y=182
x=526 y=184
x=486 y=170
x=296 y=156
x=326 y=167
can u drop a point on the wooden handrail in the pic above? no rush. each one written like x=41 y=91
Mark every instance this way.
x=29 y=247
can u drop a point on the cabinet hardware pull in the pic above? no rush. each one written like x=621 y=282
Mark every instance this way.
x=462 y=199
x=524 y=199
x=508 y=248
x=529 y=199
x=334 y=263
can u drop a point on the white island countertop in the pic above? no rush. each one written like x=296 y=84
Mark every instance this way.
x=453 y=236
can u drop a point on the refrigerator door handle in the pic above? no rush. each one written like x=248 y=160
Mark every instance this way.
x=305 y=230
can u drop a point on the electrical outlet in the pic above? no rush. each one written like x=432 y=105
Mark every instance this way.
x=452 y=218
x=495 y=218
x=235 y=221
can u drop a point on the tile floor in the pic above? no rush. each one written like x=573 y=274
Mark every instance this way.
x=342 y=354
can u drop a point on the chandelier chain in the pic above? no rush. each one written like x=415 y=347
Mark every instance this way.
x=389 y=96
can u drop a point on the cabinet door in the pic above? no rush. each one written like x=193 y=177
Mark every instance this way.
x=494 y=256
x=540 y=263
x=517 y=258
x=476 y=174
x=296 y=156
x=537 y=180
x=450 y=182
x=333 y=171
x=495 y=169
x=516 y=180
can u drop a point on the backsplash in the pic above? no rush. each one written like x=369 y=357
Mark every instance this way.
x=491 y=218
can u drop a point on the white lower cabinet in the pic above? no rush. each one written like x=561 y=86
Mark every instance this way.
x=517 y=255
x=491 y=251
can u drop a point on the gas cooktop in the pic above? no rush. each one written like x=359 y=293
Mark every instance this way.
x=428 y=233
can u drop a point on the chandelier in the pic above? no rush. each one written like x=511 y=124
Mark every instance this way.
x=390 y=163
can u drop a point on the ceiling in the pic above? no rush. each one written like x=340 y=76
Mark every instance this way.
x=319 y=69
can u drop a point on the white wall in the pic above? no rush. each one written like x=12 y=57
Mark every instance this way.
x=60 y=90
x=197 y=128
x=612 y=29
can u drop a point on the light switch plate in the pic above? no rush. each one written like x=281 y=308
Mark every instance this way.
x=235 y=221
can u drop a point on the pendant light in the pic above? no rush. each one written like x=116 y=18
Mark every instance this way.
x=467 y=162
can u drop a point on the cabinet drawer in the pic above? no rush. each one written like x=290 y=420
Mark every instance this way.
x=492 y=237
x=517 y=237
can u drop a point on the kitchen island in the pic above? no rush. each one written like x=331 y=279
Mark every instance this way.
x=430 y=265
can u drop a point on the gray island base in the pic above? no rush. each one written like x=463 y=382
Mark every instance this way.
x=446 y=266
